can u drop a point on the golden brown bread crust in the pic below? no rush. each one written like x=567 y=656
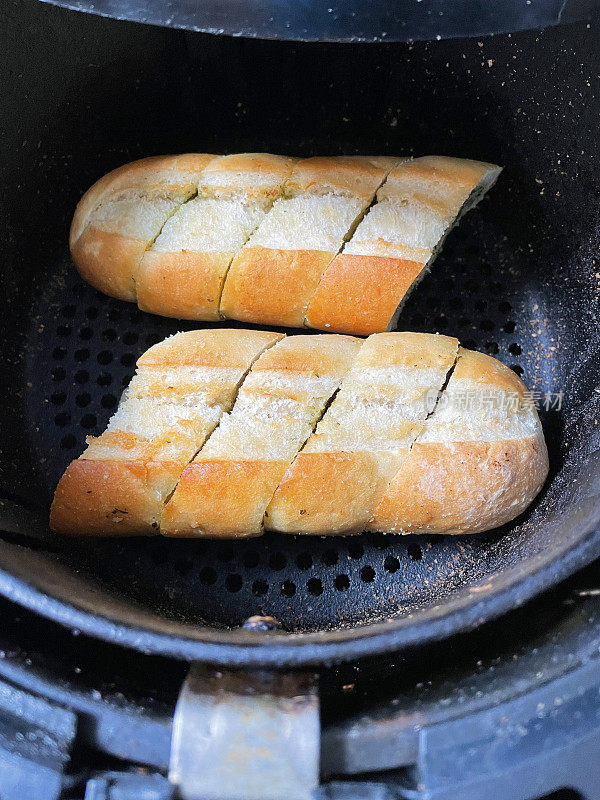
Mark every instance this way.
x=460 y=173
x=213 y=347
x=406 y=348
x=351 y=175
x=222 y=499
x=108 y=261
x=359 y=294
x=462 y=487
x=319 y=353
x=263 y=164
x=184 y=285
x=112 y=498
x=327 y=494
x=272 y=287
x=488 y=372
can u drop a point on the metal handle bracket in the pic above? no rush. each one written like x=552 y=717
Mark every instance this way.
x=245 y=736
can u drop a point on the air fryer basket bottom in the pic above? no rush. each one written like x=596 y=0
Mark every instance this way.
x=81 y=353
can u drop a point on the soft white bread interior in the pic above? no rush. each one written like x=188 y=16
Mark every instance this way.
x=117 y=219
x=479 y=461
x=226 y=489
x=273 y=277
x=181 y=388
x=183 y=271
x=338 y=479
x=363 y=288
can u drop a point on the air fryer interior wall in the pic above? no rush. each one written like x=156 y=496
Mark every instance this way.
x=343 y=20
x=518 y=279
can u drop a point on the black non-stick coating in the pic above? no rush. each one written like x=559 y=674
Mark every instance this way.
x=518 y=279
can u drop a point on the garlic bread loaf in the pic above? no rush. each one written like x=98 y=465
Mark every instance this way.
x=332 y=243
x=225 y=433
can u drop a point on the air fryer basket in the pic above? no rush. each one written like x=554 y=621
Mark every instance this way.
x=518 y=279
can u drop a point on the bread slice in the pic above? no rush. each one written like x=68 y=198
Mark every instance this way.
x=225 y=491
x=364 y=287
x=121 y=215
x=479 y=461
x=274 y=276
x=182 y=387
x=340 y=476
x=182 y=273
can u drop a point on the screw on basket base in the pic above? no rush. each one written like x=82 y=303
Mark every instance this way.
x=245 y=736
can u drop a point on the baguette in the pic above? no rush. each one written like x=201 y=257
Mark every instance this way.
x=182 y=387
x=273 y=240
x=224 y=433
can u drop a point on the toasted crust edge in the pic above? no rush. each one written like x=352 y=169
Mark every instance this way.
x=184 y=285
x=210 y=347
x=359 y=294
x=463 y=487
x=112 y=498
x=221 y=498
x=272 y=287
x=328 y=494
x=108 y=261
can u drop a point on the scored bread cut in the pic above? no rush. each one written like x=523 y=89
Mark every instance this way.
x=479 y=461
x=223 y=433
x=182 y=273
x=341 y=474
x=226 y=489
x=363 y=288
x=181 y=388
x=121 y=215
x=273 y=277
